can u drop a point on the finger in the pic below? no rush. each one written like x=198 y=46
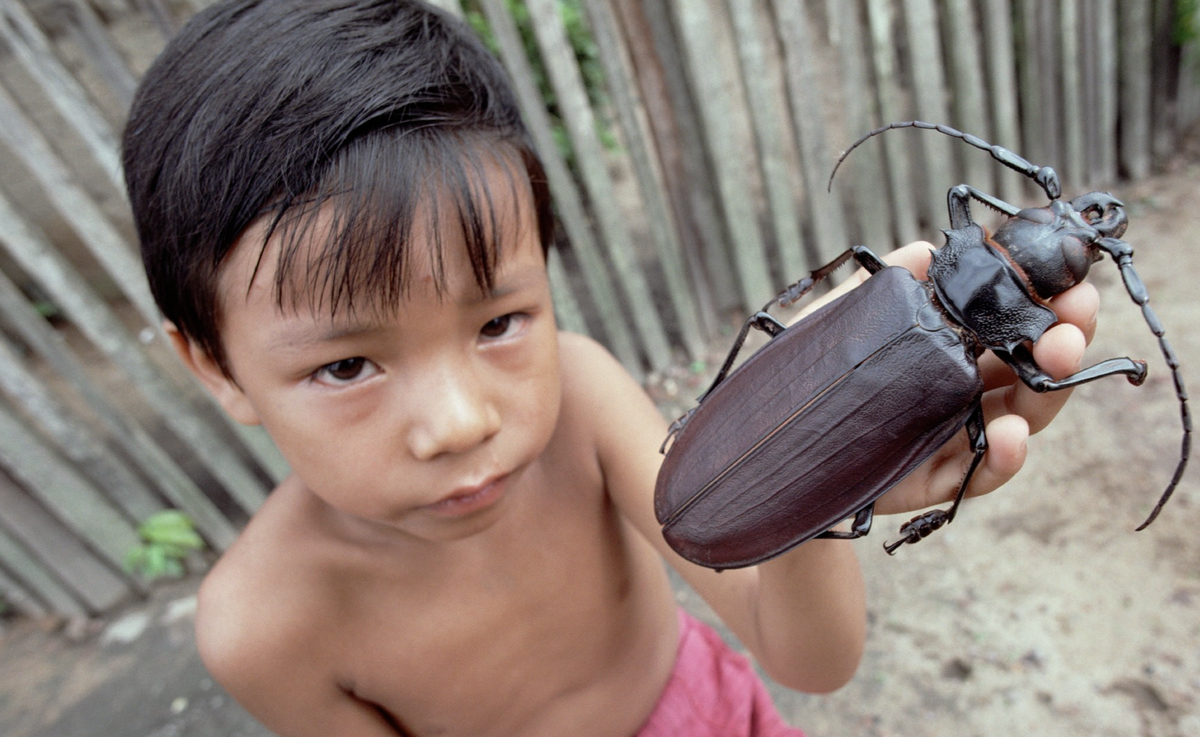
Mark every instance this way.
x=1078 y=306
x=914 y=257
x=1059 y=353
x=938 y=479
x=1006 y=453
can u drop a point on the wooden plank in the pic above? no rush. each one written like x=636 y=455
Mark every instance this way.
x=76 y=207
x=824 y=206
x=1108 y=114
x=1165 y=72
x=16 y=595
x=1029 y=75
x=74 y=439
x=1001 y=66
x=567 y=311
x=36 y=256
x=716 y=102
x=965 y=64
x=88 y=32
x=897 y=152
x=72 y=497
x=572 y=99
x=34 y=576
x=770 y=135
x=58 y=549
x=869 y=194
x=32 y=49
x=1188 y=95
x=158 y=466
x=631 y=114
x=1049 y=88
x=567 y=197
x=1073 y=166
x=938 y=170
x=687 y=176
x=1136 y=76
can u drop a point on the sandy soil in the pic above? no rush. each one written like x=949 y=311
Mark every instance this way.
x=1039 y=611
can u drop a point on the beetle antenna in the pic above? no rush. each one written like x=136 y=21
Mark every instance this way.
x=1046 y=177
x=1122 y=253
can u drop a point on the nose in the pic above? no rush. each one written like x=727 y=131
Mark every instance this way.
x=452 y=415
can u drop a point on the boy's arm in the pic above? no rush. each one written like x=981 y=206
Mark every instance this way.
x=802 y=614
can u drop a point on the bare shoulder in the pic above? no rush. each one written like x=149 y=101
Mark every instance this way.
x=261 y=614
x=592 y=376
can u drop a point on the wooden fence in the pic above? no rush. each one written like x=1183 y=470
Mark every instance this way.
x=690 y=192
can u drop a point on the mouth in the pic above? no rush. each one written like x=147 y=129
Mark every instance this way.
x=470 y=499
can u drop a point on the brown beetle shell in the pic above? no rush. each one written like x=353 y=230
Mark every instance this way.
x=816 y=425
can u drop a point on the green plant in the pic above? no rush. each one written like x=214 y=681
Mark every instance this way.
x=168 y=537
x=586 y=55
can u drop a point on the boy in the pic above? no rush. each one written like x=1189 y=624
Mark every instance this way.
x=345 y=226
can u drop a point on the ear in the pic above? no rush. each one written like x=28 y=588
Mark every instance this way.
x=226 y=391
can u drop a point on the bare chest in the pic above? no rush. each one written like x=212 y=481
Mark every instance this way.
x=561 y=625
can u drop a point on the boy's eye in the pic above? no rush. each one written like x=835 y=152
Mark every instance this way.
x=345 y=371
x=503 y=326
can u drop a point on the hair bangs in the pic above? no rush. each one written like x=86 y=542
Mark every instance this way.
x=384 y=207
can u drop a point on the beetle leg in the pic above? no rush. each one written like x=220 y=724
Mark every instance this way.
x=923 y=524
x=863 y=255
x=1021 y=361
x=959 y=199
x=859 y=528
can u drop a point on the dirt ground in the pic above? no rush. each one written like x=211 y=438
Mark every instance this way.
x=1039 y=611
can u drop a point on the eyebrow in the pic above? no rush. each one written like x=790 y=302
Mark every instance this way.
x=301 y=337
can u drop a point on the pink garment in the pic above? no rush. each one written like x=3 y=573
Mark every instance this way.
x=713 y=692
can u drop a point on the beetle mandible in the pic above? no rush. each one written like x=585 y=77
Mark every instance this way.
x=836 y=409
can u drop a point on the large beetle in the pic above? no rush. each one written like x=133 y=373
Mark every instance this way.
x=836 y=409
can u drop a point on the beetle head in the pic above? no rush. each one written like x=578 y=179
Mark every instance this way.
x=1055 y=245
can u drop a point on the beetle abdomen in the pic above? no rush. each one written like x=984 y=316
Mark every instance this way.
x=739 y=487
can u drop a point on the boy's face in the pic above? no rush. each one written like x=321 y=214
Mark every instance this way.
x=421 y=418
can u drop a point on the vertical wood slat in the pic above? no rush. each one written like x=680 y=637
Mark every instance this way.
x=32 y=49
x=1049 y=89
x=63 y=489
x=1136 y=78
x=869 y=201
x=824 y=205
x=770 y=135
x=34 y=576
x=56 y=547
x=74 y=440
x=158 y=466
x=885 y=65
x=1000 y=65
x=87 y=30
x=568 y=199
x=631 y=114
x=31 y=250
x=1074 y=153
x=17 y=595
x=571 y=95
x=76 y=207
x=938 y=170
x=716 y=103
x=1163 y=106
x=674 y=123
x=965 y=67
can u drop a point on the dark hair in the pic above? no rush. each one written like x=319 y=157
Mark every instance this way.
x=273 y=108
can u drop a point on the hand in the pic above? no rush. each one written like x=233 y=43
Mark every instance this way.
x=1012 y=411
